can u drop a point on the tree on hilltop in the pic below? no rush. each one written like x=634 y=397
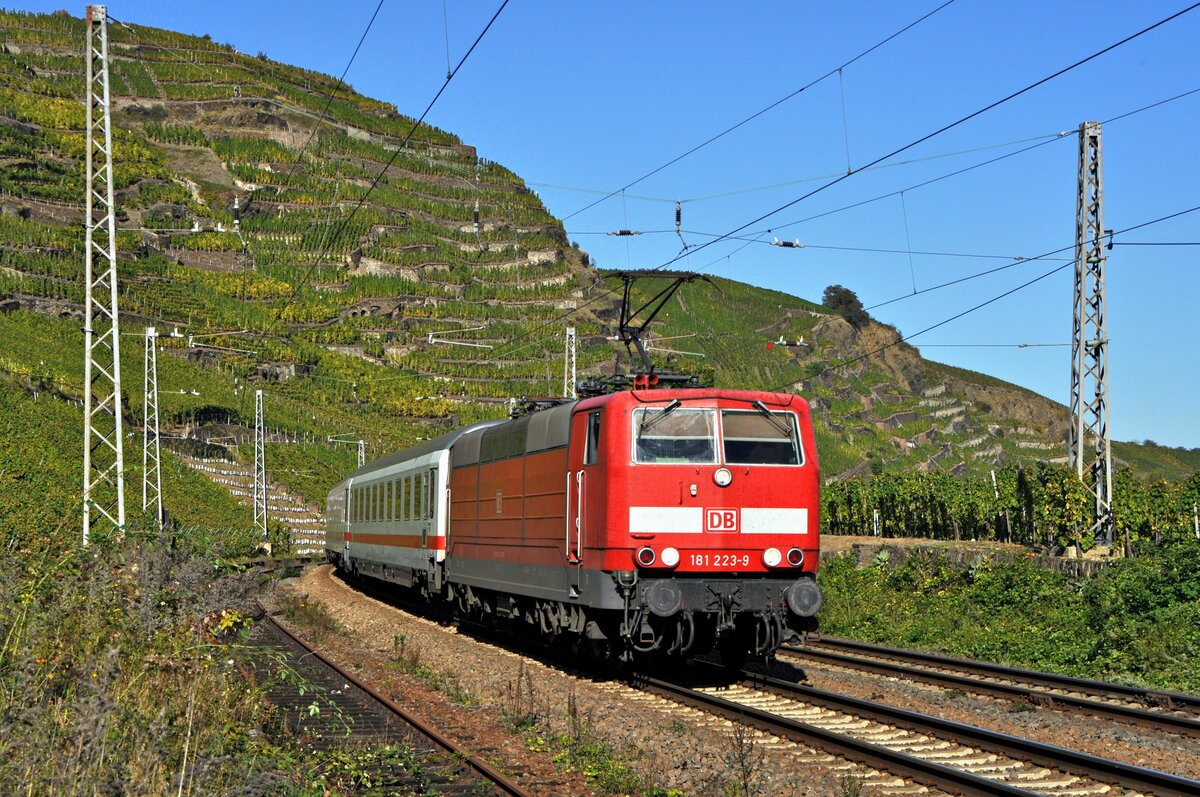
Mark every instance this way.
x=845 y=303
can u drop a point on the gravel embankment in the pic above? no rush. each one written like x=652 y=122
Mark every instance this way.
x=668 y=746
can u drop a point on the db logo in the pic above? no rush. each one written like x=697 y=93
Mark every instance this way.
x=721 y=520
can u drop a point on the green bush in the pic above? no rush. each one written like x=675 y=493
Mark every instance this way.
x=1134 y=622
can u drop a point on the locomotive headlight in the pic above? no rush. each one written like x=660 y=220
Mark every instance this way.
x=669 y=557
x=772 y=557
x=795 y=557
x=722 y=477
x=645 y=556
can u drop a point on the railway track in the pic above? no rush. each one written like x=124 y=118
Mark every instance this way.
x=893 y=751
x=354 y=711
x=1167 y=711
x=946 y=755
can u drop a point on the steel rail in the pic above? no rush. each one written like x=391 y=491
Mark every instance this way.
x=1053 y=757
x=484 y=769
x=922 y=770
x=1155 y=697
x=1174 y=723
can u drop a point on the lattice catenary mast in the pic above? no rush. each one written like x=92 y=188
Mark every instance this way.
x=1089 y=346
x=103 y=446
x=569 y=376
x=151 y=451
x=260 y=467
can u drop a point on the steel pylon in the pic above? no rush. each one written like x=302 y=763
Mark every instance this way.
x=569 y=377
x=260 y=468
x=1089 y=447
x=151 y=451
x=103 y=439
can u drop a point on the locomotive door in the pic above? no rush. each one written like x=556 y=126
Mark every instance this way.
x=584 y=488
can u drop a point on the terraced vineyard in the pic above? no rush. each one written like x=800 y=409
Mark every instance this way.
x=312 y=242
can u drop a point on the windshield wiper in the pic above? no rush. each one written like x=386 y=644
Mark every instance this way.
x=770 y=416
x=649 y=421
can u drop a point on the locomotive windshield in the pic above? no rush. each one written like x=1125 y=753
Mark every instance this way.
x=758 y=438
x=673 y=435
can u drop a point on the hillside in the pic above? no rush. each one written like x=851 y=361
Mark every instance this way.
x=248 y=223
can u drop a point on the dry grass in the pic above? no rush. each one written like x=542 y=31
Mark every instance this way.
x=109 y=683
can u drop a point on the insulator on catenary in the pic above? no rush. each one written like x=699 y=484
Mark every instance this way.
x=788 y=244
x=626 y=232
x=678 y=216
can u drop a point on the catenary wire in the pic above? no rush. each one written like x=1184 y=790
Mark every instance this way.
x=981 y=305
x=1040 y=143
x=759 y=113
x=799 y=180
x=747 y=241
x=952 y=125
x=375 y=183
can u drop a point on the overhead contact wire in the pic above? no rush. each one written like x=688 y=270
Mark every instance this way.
x=954 y=124
x=984 y=304
x=759 y=113
x=375 y=183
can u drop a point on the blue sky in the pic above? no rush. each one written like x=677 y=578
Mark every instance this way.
x=584 y=97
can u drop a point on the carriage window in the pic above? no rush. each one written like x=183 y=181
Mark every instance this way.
x=591 y=450
x=672 y=435
x=419 y=497
x=755 y=438
x=404 y=500
x=387 y=501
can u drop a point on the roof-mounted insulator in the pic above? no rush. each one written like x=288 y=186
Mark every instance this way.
x=625 y=232
x=788 y=244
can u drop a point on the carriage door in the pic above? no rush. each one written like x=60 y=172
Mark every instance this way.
x=585 y=484
x=346 y=516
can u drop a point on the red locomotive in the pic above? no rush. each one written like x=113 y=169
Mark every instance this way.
x=648 y=522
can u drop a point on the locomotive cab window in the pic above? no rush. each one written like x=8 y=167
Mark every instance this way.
x=673 y=435
x=591 y=450
x=758 y=438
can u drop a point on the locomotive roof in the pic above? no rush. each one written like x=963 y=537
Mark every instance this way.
x=548 y=428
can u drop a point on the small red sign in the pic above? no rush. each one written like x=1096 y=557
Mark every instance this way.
x=721 y=520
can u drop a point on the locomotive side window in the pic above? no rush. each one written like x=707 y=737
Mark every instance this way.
x=672 y=435
x=755 y=438
x=591 y=447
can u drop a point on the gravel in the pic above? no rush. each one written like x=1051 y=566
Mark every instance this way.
x=665 y=746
